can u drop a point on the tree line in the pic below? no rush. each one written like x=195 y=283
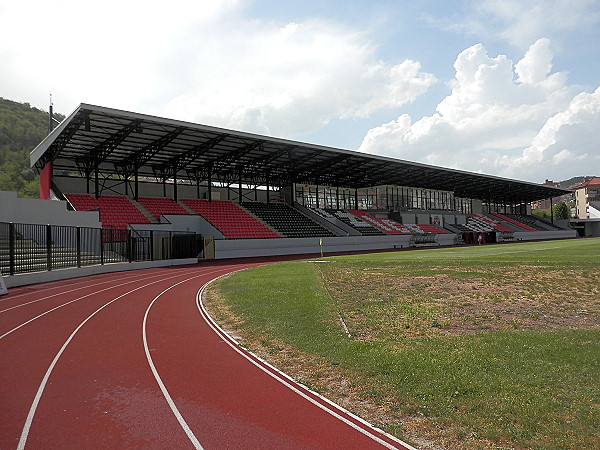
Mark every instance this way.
x=22 y=128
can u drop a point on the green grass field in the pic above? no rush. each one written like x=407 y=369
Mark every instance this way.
x=474 y=347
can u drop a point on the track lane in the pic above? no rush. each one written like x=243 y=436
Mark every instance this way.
x=237 y=404
x=102 y=389
x=24 y=313
x=26 y=354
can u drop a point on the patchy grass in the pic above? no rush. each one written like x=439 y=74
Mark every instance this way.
x=478 y=347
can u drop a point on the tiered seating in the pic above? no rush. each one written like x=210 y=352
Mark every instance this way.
x=158 y=206
x=230 y=219
x=478 y=222
x=388 y=226
x=83 y=202
x=458 y=226
x=533 y=222
x=364 y=228
x=118 y=212
x=288 y=221
x=424 y=228
x=515 y=222
x=115 y=211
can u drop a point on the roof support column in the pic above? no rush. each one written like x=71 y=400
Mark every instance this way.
x=96 y=182
x=387 y=198
x=175 y=181
x=209 y=181
x=317 y=195
x=356 y=198
x=240 y=195
x=136 y=187
x=337 y=197
x=267 y=183
x=551 y=210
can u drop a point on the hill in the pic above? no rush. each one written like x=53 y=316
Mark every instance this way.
x=572 y=181
x=22 y=127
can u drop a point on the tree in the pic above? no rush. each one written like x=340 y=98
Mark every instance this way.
x=22 y=127
x=543 y=213
x=561 y=211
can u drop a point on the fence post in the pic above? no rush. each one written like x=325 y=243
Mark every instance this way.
x=151 y=249
x=49 y=247
x=129 y=246
x=11 y=248
x=78 y=247
x=101 y=231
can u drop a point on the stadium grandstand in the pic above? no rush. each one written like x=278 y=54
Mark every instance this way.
x=252 y=195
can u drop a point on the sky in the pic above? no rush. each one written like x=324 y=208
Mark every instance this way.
x=502 y=87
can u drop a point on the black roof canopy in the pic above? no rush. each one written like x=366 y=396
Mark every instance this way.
x=122 y=142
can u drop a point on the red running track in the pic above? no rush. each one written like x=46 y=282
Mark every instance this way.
x=132 y=360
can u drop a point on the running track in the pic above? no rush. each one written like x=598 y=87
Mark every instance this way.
x=132 y=360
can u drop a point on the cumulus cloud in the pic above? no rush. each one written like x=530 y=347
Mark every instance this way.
x=495 y=110
x=202 y=61
x=568 y=140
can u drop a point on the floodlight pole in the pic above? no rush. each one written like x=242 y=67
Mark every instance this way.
x=51 y=116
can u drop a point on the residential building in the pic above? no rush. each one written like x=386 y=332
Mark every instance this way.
x=587 y=197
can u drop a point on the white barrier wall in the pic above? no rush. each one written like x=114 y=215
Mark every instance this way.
x=544 y=235
x=43 y=212
x=236 y=248
x=24 y=279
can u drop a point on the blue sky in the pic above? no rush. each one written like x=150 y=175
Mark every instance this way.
x=503 y=87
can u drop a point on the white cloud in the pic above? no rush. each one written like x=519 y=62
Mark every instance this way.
x=568 y=141
x=293 y=80
x=497 y=109
x=522 y=22
x=202 y=61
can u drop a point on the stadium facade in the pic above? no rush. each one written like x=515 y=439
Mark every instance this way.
x=256 y=195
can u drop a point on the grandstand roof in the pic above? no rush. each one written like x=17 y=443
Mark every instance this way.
x=121 y=142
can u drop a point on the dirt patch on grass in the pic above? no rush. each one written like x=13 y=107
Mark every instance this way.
x=392 y=301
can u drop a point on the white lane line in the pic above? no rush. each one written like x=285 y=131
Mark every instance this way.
x=64 y=292
x=42 y=286
x=40 y=391
x=186 y=428
x=85 y=296
x=289 y=382
x=65 y=304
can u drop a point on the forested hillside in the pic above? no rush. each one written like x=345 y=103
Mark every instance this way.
x=22 y=127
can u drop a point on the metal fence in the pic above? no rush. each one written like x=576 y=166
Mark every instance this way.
x=33 y=248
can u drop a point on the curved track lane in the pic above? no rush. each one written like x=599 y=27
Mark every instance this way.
x=134 y=361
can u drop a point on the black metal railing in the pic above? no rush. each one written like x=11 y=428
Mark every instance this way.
x=33 y=248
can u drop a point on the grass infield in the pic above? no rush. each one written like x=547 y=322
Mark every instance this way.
x=474 y=347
